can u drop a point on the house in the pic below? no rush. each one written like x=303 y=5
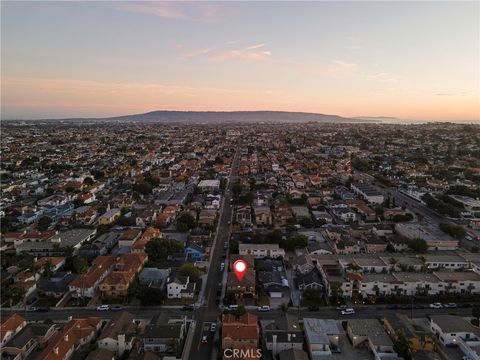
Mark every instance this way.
x=129 y=237
x=154 y=277
x=301 y=212
x=263 y=215
x=180 y=287
x=118 y=335
x=322 y=336
x=370 y=333
x=86 y=285
x=302 y=264
x=31 y=337
x=57 y=285
x=241 y=333
x=209 y=185
x=149 y=234
x=100 y=246
x=418 y=338
x=244 y=288
x=312 y=280
x=260 y=251
x=274 y=280
x=284 y=333
x=126 y=268
x=109 y=217
x=454 y=331
x=145 y=217
x=368 y=192
x=76 y=333
x=207 y=216
x=56 y=263
x=55 y=244
x=243 y=215
x=194 y=252
x=162 y=338
x=10 y=327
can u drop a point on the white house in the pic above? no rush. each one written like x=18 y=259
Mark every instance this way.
x=118 y=335
x=180 y=287
x=454 y=330
x=260 y=251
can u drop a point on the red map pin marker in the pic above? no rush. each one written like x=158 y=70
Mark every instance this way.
x=240 y=267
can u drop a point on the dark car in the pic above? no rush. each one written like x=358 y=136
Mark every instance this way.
x=187 y=308
x=392 y=306
x=42 y=309
x=116 y=308
x=313 y=308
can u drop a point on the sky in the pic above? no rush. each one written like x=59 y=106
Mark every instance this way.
x=411 y=59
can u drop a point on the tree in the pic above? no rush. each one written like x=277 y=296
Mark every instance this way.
x=240 y=311
x=190 y=270
x=149 y=296
x=284 y=308
x=455 y=231
x=143 y=187
x=185 y=222
x=402 y=345
x=237 y=189
x=88 y=181
x=160 y=249
x=44 y=222
x=418 y=245
x=79 y=264
x=47 y=269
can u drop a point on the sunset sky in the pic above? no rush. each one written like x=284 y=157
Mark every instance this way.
x=412 y=60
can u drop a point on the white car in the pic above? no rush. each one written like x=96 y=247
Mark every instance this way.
x=347 y=311
x=103 y=308
x=436 y=306
x=264 y=308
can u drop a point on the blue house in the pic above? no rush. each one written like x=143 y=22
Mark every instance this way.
x=194 y=252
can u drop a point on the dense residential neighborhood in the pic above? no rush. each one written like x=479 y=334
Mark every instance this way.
x=360 y=240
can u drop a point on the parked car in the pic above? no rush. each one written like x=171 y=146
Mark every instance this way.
x=348 y=311
x=450 y=306
x=103 y=308
x=187 y=308
x=313 y=308
x=264 y=308
x=116 y=308
x=43 y=309
x=392 y=306
x=342 y=307
x=204 y=339
x=436 y=306
x=213 y=327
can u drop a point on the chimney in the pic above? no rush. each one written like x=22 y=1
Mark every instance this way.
x=55 y=350
x=65 y=337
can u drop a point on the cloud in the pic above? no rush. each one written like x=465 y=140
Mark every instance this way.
x=196 y=53
x=344 y=64
x=161 y=9
x=254 y=52
x=463 y=93
x=245 y=55
x=257 y=46
x=178 y=46
x=197 y=11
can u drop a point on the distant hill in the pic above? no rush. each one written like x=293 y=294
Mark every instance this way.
x=232 y=116
x=214 y=117
x=166 y=116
